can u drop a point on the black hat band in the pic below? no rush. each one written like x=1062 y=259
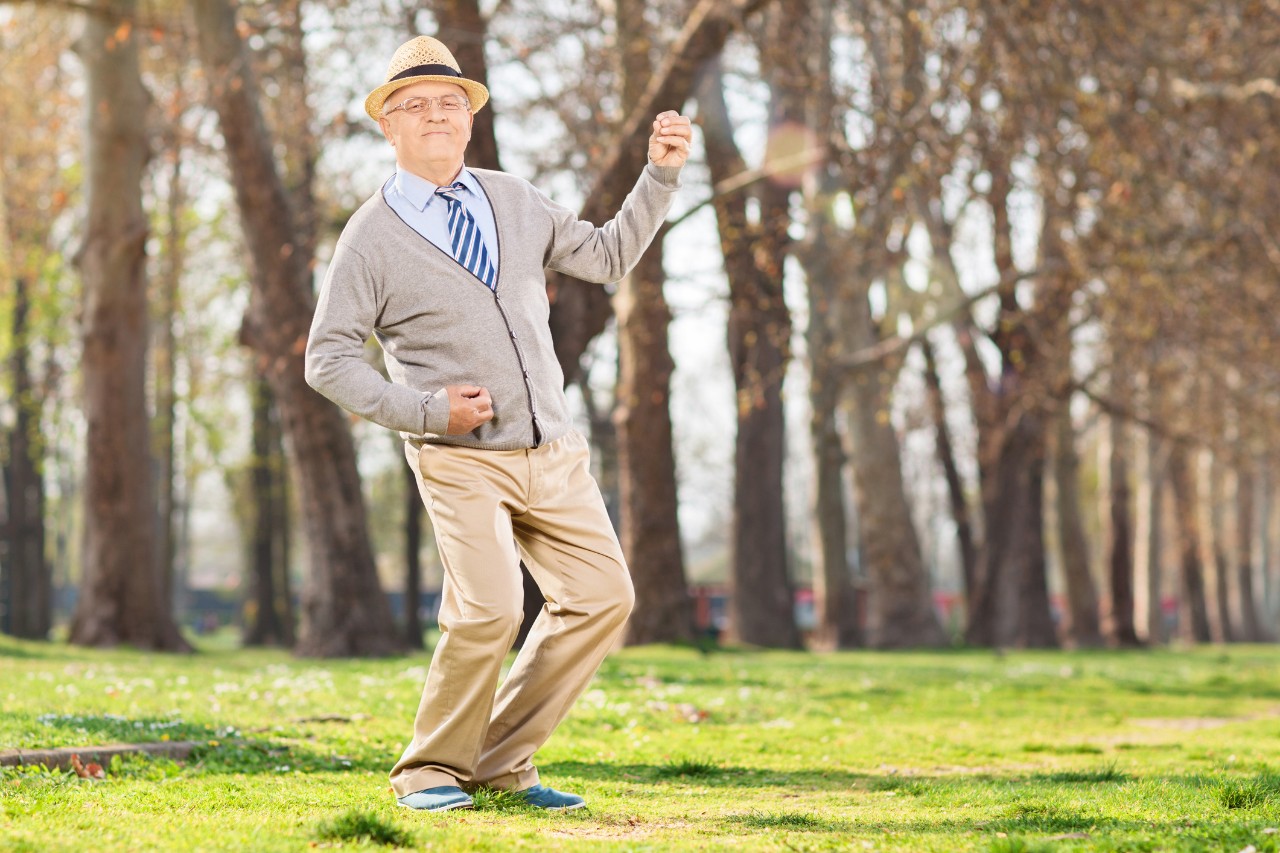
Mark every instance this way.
x=424 y=70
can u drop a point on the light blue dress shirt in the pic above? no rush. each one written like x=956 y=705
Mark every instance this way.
x=415 y=201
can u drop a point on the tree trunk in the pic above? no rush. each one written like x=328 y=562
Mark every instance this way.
x=1011 y=604
x=835 y=597
x=1270 y=547
x=344 y=610
x=412 y=561
x=900 y=611
x=26 y=586
x=272 y=621
x=165 y=360
x=959 y=504
x=462 y=26
x=1221 y=628
x=1079 y=628
x=604 y=446
x=1250 y=628
x=650 y=526
x=1193 y=615
x=121 y=594
x=1149 y=541
x=1119 y=621
x=761 y=607
x=837 y=600
x=649 y=521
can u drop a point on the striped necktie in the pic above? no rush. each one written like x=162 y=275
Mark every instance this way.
x=464 y=237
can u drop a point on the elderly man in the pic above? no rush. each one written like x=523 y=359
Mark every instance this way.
x=445 y=266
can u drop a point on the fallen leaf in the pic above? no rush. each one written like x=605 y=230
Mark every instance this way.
x=92 y=771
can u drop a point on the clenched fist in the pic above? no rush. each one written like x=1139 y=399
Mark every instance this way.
x=670 y=140
x=469 y=406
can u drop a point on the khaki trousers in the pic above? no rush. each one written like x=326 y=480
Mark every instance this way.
x=490 y=508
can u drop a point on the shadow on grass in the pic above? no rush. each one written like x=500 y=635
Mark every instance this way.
x=792 y=821
x=217 y=750
x=114 y=728
x=705 y=774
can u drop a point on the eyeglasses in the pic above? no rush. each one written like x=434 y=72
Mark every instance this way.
x=417 y=106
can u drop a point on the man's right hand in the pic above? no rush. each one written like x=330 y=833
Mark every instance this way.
x=469 y=406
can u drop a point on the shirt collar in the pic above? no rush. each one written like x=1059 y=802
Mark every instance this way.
x=420 y=192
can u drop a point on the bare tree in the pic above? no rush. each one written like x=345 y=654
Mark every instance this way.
x=121 y=593
x=646 y=459
x=344 y=610
x=580 y=311
x=760 y=604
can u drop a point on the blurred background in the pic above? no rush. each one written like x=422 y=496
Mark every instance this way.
x=963 y=328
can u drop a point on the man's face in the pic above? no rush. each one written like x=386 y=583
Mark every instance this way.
x=433 y=141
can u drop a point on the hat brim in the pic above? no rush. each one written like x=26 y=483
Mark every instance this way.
x=477 y=94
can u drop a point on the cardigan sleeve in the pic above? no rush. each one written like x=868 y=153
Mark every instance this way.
x=608 y=252
x=346 y=311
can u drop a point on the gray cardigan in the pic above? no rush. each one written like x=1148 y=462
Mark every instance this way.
x=439 y=325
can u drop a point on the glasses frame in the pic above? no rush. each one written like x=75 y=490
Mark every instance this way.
x=432 y=101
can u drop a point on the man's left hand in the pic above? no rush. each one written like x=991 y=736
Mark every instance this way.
x=669 y=142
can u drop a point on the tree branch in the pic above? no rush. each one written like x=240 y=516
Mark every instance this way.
x=1189 y=91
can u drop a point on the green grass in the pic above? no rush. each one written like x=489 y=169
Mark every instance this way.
x=674 y=750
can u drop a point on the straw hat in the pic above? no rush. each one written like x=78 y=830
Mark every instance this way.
x=423 y=58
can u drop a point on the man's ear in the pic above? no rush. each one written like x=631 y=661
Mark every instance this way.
x=386 y=130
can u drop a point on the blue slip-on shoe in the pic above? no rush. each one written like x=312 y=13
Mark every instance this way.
x=440 y=799
x=551 y=800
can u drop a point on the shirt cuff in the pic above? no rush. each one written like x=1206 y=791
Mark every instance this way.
x=668 y=176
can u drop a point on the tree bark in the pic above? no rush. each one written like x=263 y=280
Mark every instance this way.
x=1193 y=615
x=463 y=27
x=900 y=611
x=121 y=592
x=835 y=596
x=1010 y=606
x=1119 y=619
x=413 y=512
x=1149 y=540
x=1269 y=536
x=1250 y=627
x=604 y=446
x=344 y=610
x=26 y=584
x=1080 y=625
x=272 y=620
x=165 y=360
x=649 y=520
x=761 y=603
x=1221 y=626
x=650 y=526
x=944 y=446
x=837 y=600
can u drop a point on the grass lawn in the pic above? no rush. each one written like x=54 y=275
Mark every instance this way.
x=674 y=750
